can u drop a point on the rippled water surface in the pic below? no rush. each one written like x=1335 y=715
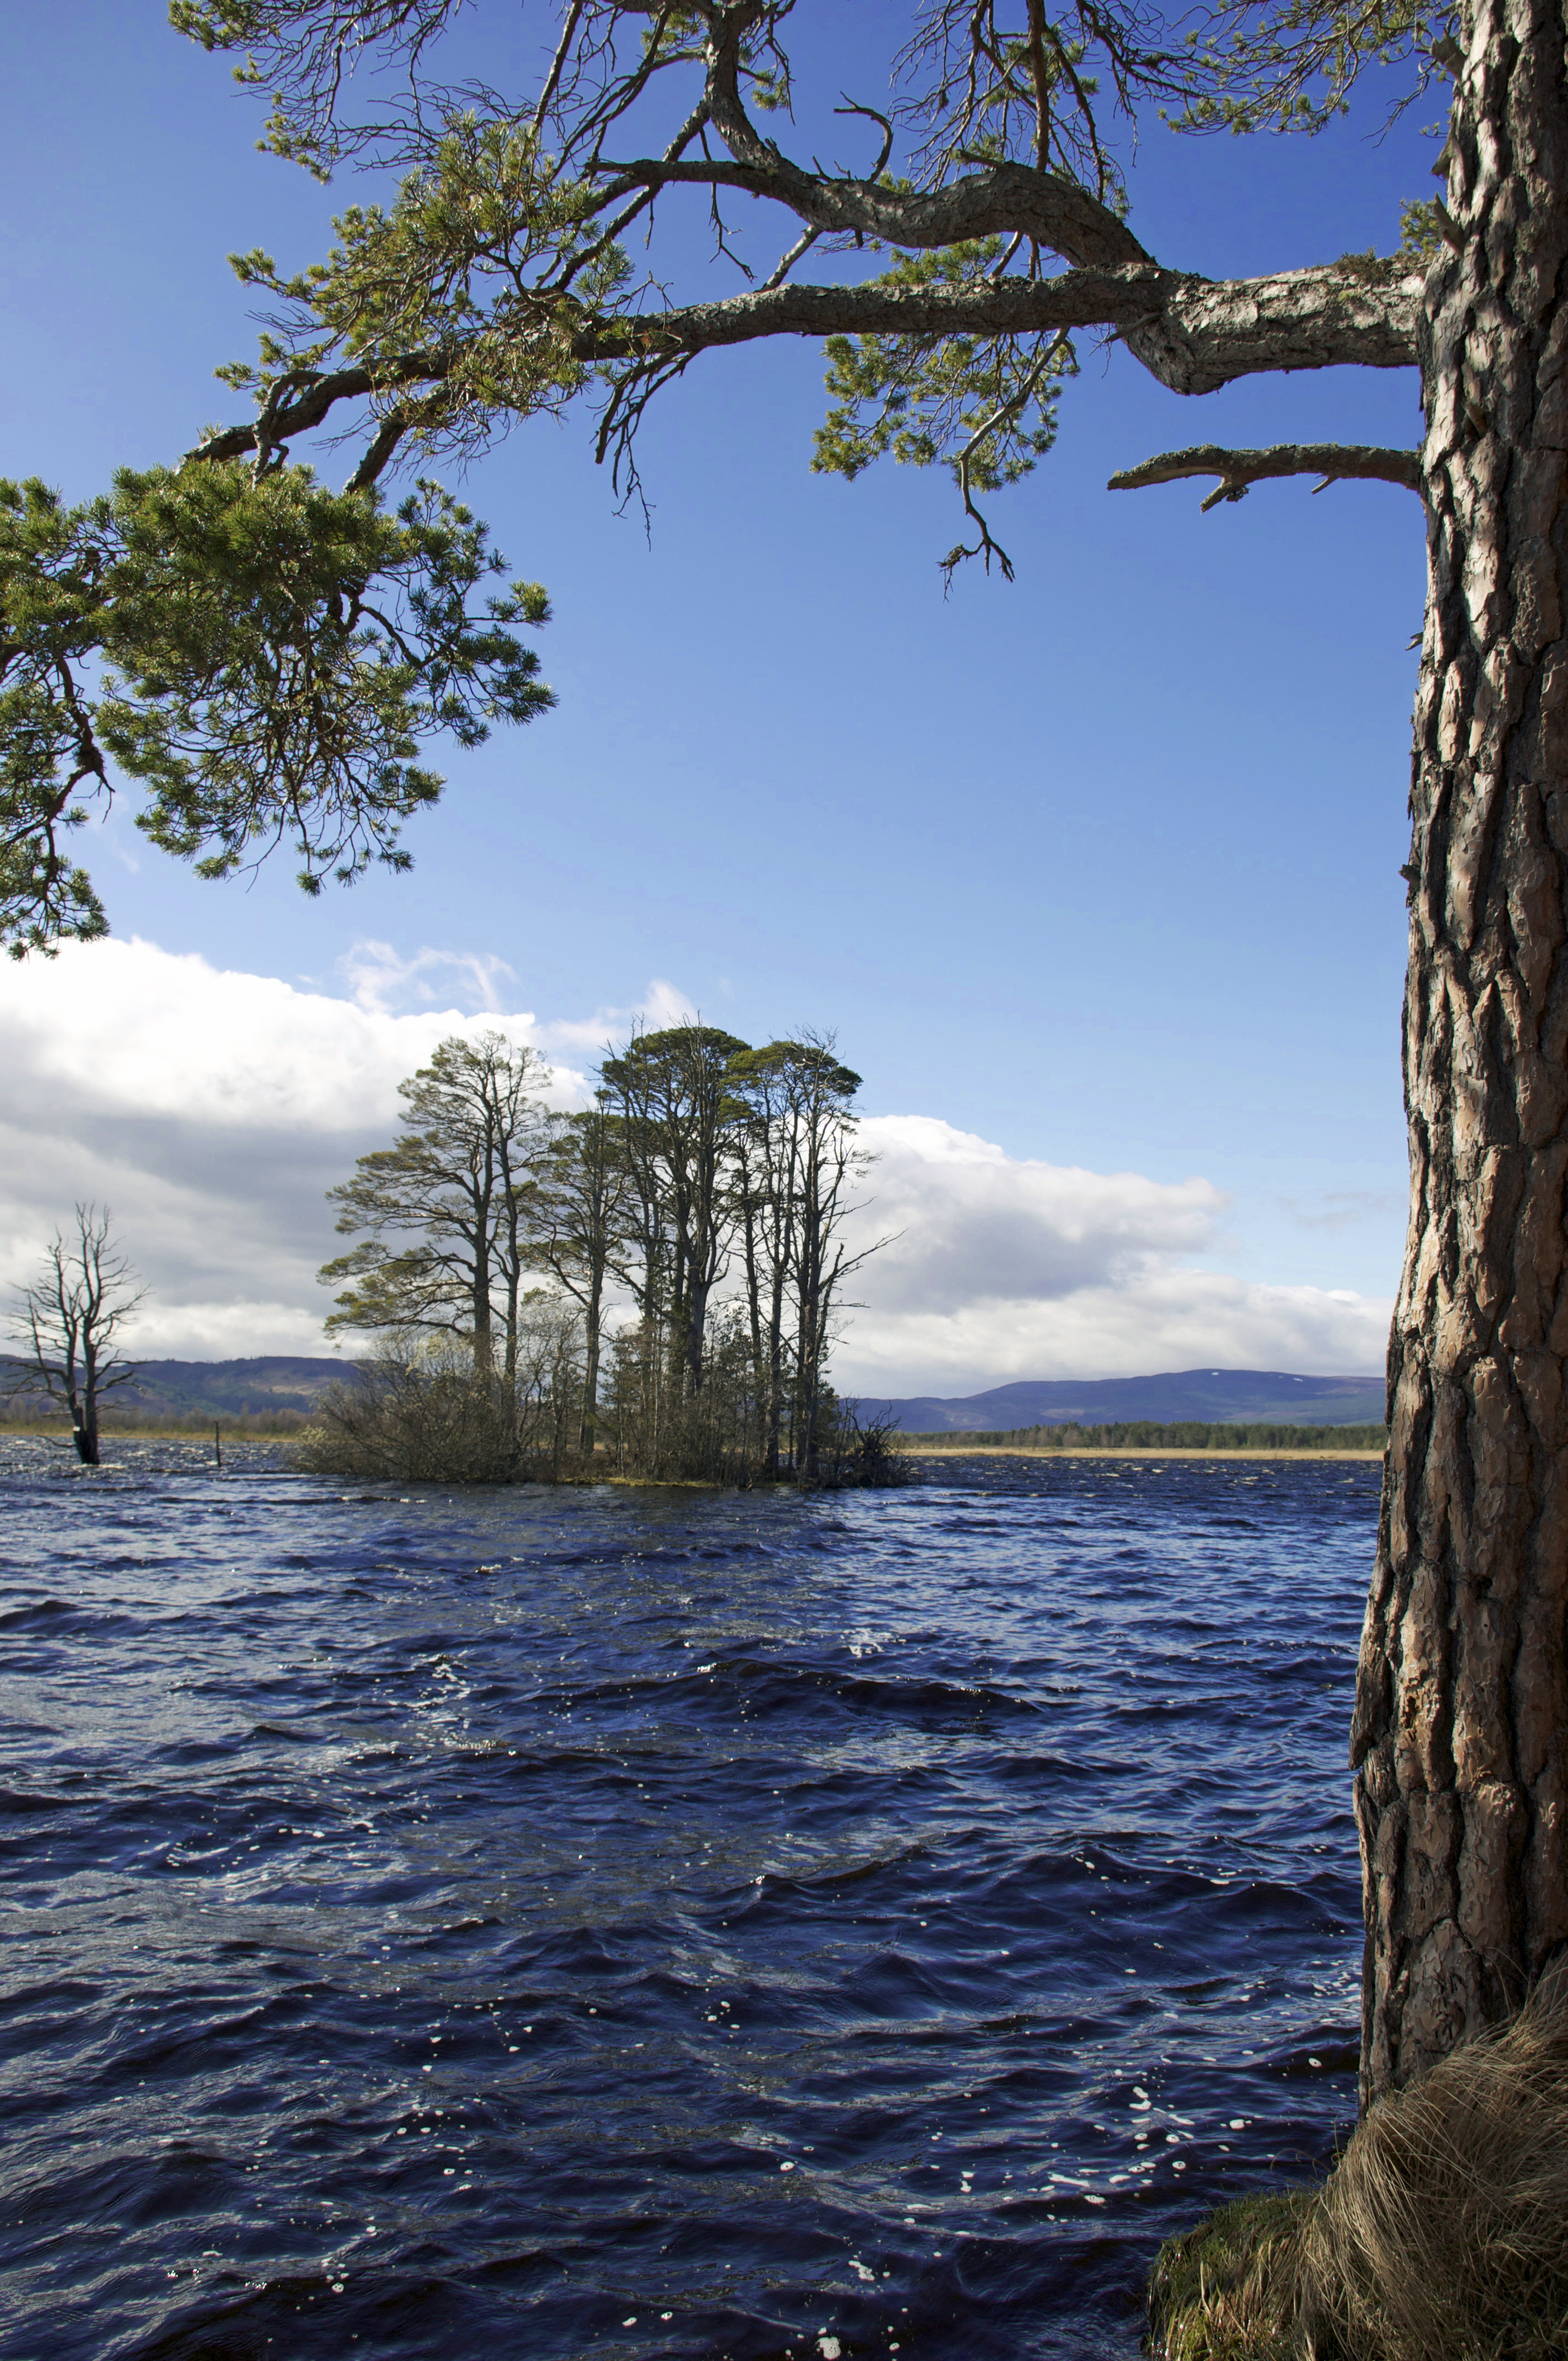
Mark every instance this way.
x=656 y=1923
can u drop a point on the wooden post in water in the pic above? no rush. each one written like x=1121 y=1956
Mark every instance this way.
x=218 y=1444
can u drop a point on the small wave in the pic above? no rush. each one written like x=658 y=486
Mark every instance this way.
x=758 y=1688
x=27 y=1802
x=40 y=1615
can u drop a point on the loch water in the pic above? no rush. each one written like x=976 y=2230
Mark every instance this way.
x=660 y=1923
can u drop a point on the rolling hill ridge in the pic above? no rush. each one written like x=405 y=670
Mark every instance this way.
x=1214 y=1396
x=277 y=1382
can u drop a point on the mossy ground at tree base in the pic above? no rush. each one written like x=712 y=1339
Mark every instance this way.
x=1226 y=2291
x=1440 y=2235
x=1210 y=2291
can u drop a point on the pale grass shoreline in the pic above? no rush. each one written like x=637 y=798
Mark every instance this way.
x=937 y=1451
x=1124 y=1451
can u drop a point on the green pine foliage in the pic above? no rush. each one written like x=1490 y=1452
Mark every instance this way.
x=925 y=400
x=265 y=656
x=1292 y=65
x=487 y=262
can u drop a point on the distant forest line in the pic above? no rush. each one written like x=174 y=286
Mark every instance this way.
x=1135 y=1434
x=1148 y=1434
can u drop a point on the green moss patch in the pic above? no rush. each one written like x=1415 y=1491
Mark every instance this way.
x=1225 y=2291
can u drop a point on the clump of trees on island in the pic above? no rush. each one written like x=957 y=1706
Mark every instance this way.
x=701 y=1197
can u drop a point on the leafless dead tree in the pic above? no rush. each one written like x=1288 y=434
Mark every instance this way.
x=69 y=1321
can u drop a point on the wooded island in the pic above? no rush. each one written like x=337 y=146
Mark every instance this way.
x=705 y=1189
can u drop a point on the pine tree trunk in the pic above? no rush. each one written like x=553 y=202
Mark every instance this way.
x=1461 y=1737
x=775 y=1414
x=588 y=1434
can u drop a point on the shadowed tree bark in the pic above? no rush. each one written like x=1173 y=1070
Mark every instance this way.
x=1461 y=1734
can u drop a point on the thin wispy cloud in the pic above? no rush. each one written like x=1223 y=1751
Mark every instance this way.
x=662 y=1005
x=1341 y=1209
x=381 y=980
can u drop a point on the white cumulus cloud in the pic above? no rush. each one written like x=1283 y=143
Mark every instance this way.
x=1002 y=1266
x=213 y=1110
x=973 y=1224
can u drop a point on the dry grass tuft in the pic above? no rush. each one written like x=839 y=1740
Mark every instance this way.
x=1442 y=2234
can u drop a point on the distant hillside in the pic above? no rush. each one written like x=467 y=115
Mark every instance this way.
x=279 y=1381
x=273 y=1381
x=1214 y=1396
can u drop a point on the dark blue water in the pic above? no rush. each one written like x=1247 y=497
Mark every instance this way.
x=654 y=1923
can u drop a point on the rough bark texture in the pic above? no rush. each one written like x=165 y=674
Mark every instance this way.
x=1461 y=1734
x=1195 y=335
x=1238 y=470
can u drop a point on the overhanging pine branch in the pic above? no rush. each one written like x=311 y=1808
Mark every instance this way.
x=1193 y=334
x=1001 y=200
x=319 y=394
x=1239 y=470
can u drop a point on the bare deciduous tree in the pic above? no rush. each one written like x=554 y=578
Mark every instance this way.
x=68 y=1321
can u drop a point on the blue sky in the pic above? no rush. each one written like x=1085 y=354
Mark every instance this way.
x=1101 y=866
